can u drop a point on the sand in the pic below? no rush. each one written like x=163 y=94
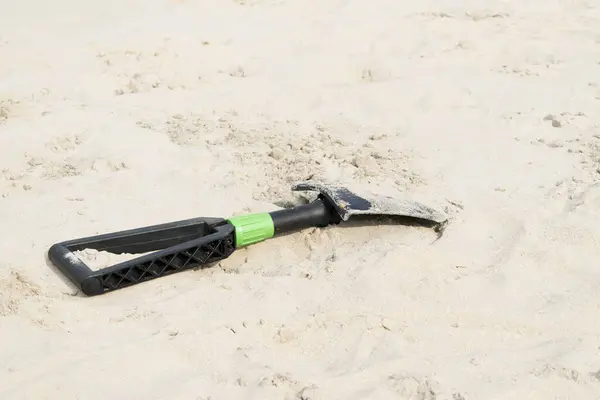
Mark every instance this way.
x=121 y=114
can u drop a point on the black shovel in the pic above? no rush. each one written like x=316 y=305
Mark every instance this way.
x=191 y=243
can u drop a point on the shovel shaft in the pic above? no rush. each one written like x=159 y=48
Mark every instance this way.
x=315 y=214
x=254 y=228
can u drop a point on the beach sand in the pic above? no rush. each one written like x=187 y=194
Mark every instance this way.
x=121 y=114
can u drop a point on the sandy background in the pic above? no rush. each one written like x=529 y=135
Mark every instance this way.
x=120 y=114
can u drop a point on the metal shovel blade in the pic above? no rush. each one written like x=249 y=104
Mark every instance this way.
x=351 y=202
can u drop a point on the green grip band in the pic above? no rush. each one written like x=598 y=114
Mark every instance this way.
x=252 y=228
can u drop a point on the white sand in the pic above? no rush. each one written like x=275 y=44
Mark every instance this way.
x=120 y=114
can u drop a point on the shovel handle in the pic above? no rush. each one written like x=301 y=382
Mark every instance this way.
x=172 y=247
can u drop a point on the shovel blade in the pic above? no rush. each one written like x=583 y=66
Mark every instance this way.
x=353 y=202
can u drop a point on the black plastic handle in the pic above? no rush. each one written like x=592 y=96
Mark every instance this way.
x=174 y=247
x=318 y=213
